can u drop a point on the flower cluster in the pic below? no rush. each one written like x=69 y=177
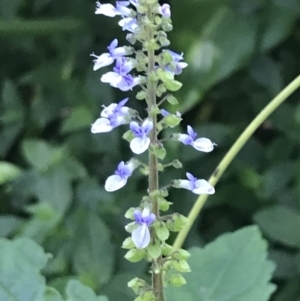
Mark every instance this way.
x=146 y=63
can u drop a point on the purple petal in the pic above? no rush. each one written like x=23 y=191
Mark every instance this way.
x=185 y=139
x=149 y=219
x=135 y=128
x=138 y=216
x=191 y=132
x=164 y=112
x=147 y=126
x=191 y=177
x=112 y=45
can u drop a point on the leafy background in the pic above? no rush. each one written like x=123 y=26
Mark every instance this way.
x=241 y=53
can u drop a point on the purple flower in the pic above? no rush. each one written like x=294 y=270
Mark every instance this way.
x=106 y=59
x=165 y=11
x=110 y=11
x=141 y=235
x=176 y=66
x=120 y=78
x=200 y=144
x=111 y=117
x=141 y=142
x=119 y=179
x=195 y=185
x=165 y=113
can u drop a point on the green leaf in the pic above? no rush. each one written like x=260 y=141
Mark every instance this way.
x=40 y=154
x=79 y=118
x=280 y=224
x=8 y=224
x=93 y=252
x=8 y=172
x=232 y=268
x=76 y=291
x=20 y=264
x=51 y=295
x=173 y=85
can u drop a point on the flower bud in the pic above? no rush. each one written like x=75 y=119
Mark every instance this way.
x=146 y=296
x=181 y=266
x=166 y=249
x=159 y=152
x=164 y=205
x=172 y=100
x=135 y=255
x=129 y=213
x=177 y=280
x=177 y=164
x=130 y=227
x=172 y=120
x=141 y=95
x=154 y=250
x=137 y=285
x=177 y=222
x=128 y=243
x=181 y=254
x=161 y=231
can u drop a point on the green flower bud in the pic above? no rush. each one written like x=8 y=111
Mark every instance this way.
x=135 y=255
x=146 y=296
x=144 y=170
x=181 y=266
x=171 y=99
x=158 y=151
x=157 y=20
x=181 y=254
x=166 y=249
x=177 y=222
x=172 y=120
x=164 y=205
x=128 y=243
x=154 y=250
x=177 y=280
x=164 y=75
x=154 y=110
x=130 y=227
x=173 y=85
x=164 y=192
x=129 y=213
x=161 y=230
x=128 y=136
x=141 y=95
x=137 y=285
x=177 y=164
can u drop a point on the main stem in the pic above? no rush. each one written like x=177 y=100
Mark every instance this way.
x=157 y=279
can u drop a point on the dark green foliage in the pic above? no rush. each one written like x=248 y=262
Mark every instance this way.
x=241 y=53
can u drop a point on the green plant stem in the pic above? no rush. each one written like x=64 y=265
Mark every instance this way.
x=240 y=142
x=157 y=279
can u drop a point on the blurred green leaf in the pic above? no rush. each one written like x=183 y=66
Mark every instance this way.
x=8 y=224
x=234 y=267
x=8 y=172
x=76 y=291
x=79 y=118
x=93 y=253
x=51 y=295
x=20 y=264
x=280 y=224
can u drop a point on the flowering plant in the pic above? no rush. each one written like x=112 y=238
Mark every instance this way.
x=148 y=64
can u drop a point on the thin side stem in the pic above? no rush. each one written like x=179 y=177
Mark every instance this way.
x=240 y=142
x=157 y=279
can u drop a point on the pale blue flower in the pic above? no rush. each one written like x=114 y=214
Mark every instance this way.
x=200 y=144
x=129 y=24
x=111 y=117
x=120 y=177
x=141 y=235
x=119 y=77
x=195 y=185
x=141 y=142
x=165 y=11
x=176 y=66
x=107 y=58
x=110 y=11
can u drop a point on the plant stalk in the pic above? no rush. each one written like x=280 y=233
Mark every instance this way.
x=157 y=279
x=231 y=154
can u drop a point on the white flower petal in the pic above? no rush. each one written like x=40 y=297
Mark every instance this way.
x=203 y=187
x=112 y=78
x=141 y=236
x=107 y=10
x=203 y=145
x=103 y=60
x=107 y=111
x=186 y=184
x=139 y=145
x=101 y=125
x=114 y=183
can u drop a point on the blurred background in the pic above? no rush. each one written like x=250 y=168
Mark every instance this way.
x=241 y=53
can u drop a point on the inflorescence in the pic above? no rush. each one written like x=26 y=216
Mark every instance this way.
x=147 y=64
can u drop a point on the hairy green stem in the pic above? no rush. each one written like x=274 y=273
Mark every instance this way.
x=157 y=279
x=240 y=142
